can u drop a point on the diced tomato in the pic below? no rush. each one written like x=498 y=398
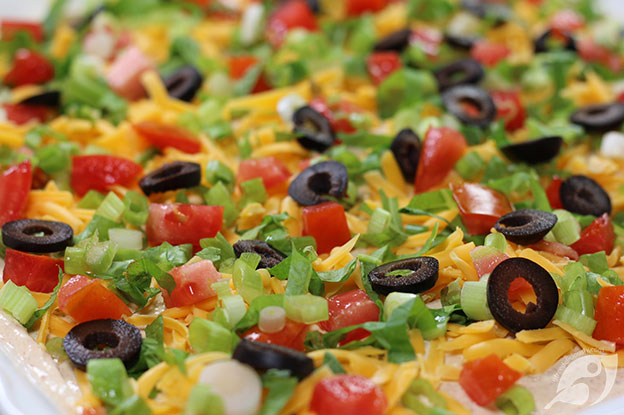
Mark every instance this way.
x=486 y=258
x=429 y=40
x=100 y=172
x=124 y=74
x=272 y=171
x=15 y=185
x=509 y=108
x=37 y=272
x=180 y=223
x=10 y=28
x=442 y=148
x=358 y=7
x=292 y=335
x=327 y=223
x=566 y=21
x=348 y=394
x=479 y=206
x=348 y=309
x=338 y=115
x=590 y=51
x=86 y=299
x=609 y=314
x=485 y=379
x=239 y=65
x=556 y=248
x=166 y=135
x=29 y=67
x=489 y=54
x=192 y=284
x=21 y=113
x=381 y=64
x=552 y=192
x=620 y=97
x=517 y=287
x=598 y=236
x=290 y=15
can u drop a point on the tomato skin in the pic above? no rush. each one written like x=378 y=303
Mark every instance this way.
x=479 y=206
x=37 y=272
x=589 y=50
x=9 y=28
x=29 y=67
x=181 y=223
x=358 y=7
x=566 y=21
x=86 y=299
x=21 y=114
x=485 y=379
x=598 y=236
x=336 y=115
x=100 y=172
x=289 y=15
x=239 y=65
x=486 y=258
x=348 y=309
x=442 y=148
x=489 y=54
x=552 y=192
x=509 y=108
x=292 y=335
x=327 y=223
x=192 y=284
x=348 y=394
x=381 y=64
x=15 y=185
x=165 y=135
x=428 y=39
x=556 y=248
x=609 y=314
x=272 y=171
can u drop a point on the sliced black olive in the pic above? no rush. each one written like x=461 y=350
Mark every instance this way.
x=314 y=6
x=269 y=256
x=313 y=130
x=265 y=356
x=424 y=275
x=36 y=235
x=537 y=151
x=396 y=41
x=536 y=316
x=406 y=149
x=51 y=99
x=582 y=195
x=481 y=8
x=457 y=98
x=541 y=43
x=171 y=176
x=599 y=118
x=526 y=226
x=460 y=42
x=463 y=71
x=103 y=339
x=184 y=83
x=313 y=184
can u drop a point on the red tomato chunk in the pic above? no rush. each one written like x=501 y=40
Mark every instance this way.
x=272 y=171
x=598 y=236
x=38 y=273
x=100 y=172
x=15 y=185
x=192 y=284
x=479 y=206
x=348 y=394
x=85 y=299
x=165 y=135
x=348 y=309
x=292 y=335
x=327 y=223
x=442 y=148
x=29 y=67
x=610 y=314
x=485 y=379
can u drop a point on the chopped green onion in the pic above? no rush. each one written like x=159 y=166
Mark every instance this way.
x=596 y=262
x=575 y=277
x=111 y=208
x=451 y=294
x=222 y=288
x=567 y=230
x=575 y=319
x=54 y=346
x=53 y=158
x=580 y=301
x=126 y=238
x=306 y=309
x=394 y=300
x=474 y=300
x=109 y=380
x=419 y=389
x=134 y=405
x=98 y=225
x=18 y=301
x=75 y=260
x=517 y=400
x=272 y=319
x=202 y=401
x=496 y=240
x=247 y=281
x=218 y=195
x=136 y=208
x=208 y=336
x=91 y=200
x=99 y=256
x=235 y=307
x=253 y=192
x=250 y=258
x=470 y=165
x=379 y=221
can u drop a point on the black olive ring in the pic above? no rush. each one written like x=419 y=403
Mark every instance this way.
x=269 y=256
x=265 y=356
x=480 y=8
x=454 y=99
x=121 y=340
x=583 y=195
x=396 y=41
x=463 y=71
x=526 y=226
x=50 y=99
x=537 y=151
x=541 y=43
x=312 y=185
x=536 y=316
x=184 y=83
x=460 y=42
x=406 y=150
x=313 y=130
x=171 y=176
x=23 y=235
x=424 y=276
x=599 y=118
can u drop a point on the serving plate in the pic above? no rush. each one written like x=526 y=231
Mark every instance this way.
x=20 y=394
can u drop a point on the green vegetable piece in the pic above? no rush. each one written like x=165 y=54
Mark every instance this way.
x=109 y=380
x=17 y=301
x=422 y=398
x=208 y=336
x=203 y=401
x=517 y=400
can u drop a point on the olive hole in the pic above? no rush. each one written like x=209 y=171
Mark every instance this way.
x=516 y=221
x=522 y=295
x=101 y=341
x=596 y=111
x=585 y=194
x=471 y=106
x=320 y=183
x=37 y=231
x=173 y=170
x=177 y=83
x=310 y=125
